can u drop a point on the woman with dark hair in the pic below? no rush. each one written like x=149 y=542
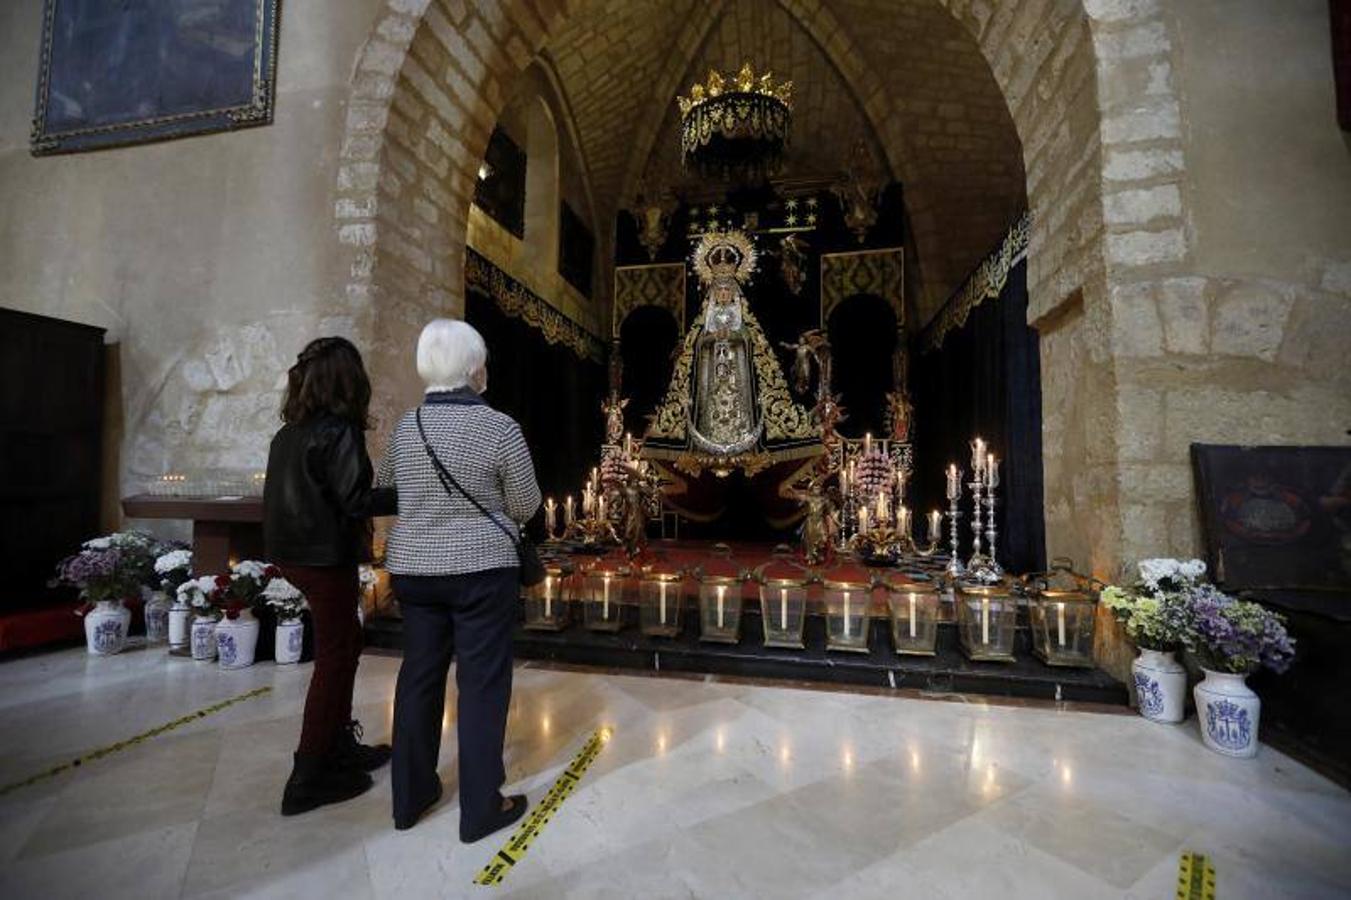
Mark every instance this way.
x=317 y=505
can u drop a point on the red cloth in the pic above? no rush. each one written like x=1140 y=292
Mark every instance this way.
x=332 y=593
x=22 y=629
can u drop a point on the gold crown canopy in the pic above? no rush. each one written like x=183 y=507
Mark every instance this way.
x=724 y=254
x=743 y=82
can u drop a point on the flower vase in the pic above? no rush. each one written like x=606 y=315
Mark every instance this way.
x=1160 y=686
x=105 y=628
x=180 y=626
x=157 y=618
x=236 y=640
x=1228 y=711
x=290 y=641
x=203 y=638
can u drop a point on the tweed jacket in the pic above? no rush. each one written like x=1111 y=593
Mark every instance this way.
x=440 y=534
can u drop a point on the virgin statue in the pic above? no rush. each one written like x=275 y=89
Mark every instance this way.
x=728 y=397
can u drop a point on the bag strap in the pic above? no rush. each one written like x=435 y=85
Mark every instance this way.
x=448 y=479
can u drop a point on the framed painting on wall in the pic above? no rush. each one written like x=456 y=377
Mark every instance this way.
x=112 y=74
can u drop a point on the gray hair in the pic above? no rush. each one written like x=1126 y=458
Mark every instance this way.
x=449 y=352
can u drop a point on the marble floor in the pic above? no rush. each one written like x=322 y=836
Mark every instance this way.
x=707 y=789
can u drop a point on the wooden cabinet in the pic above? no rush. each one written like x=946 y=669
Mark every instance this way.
x=51 y=447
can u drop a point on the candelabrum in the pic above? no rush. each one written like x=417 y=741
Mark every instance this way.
x=992 y=565
x=954 y=568
x=977 y=523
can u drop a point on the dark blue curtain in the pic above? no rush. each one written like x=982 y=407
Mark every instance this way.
x=985 y=380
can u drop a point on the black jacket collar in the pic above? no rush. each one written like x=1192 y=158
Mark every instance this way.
x=459 y=397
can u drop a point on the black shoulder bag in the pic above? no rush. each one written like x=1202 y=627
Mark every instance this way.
x=532 y=569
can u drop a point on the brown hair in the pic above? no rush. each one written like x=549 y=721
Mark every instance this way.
x=328 y=377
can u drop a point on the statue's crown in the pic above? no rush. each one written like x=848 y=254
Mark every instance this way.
x=724 y=254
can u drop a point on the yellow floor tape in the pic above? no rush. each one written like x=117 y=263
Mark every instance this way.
x=528 y=830
x=132 y=741
x=1195 y=877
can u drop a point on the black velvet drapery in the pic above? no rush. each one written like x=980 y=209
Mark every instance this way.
x=985 y=380
x=553 y=393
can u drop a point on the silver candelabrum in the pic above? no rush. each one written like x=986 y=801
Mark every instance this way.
x=977 y=524
x=954 y=568
x=991 y=482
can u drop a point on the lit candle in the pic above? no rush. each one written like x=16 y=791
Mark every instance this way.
x=903 y=520
x=722 y=591
x=548 y=598
x=900 y=485
x=883 y=513
x=550 y=515
x=846 y=614
x=863 y=520
x=605 y=597
x=912 y=614
x=1060 y=622
x=954 y=482
x=600 y=507
x=978 y=459
x=587 y=500
x=991 y=472
x=661 y=601
x=628 y=444
x=935 y=525
x=985 y=620
x=567 y=511
x=783 y=608
x=867 y=443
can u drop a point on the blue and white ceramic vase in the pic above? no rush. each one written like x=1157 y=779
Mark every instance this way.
x=105 y=628
x=203 y=638
x=290 y=641
x=180 y=626
x=1160 y=686
x=1228 y=711
x=236 y=641
x=157 y=618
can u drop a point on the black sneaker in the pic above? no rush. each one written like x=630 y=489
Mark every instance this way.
x=316 y=782
x=352 y=752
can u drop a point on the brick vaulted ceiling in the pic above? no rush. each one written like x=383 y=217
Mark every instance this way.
x=902 y=75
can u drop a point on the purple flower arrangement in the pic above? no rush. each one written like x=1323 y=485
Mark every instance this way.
x=100 y=573
x=1239 y=636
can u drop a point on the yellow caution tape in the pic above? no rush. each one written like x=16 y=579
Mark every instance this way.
x=132 y=741
x=1195 y=877
x=528 y=830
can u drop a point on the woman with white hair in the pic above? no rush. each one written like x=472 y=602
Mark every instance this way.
x=465 y=484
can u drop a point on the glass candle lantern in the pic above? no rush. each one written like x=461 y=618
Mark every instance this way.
x=783 y=599
x=659 y=603
x=603 y=593
x=987 y=619
x=1062 y=609
x=546 y=604
x=720 y=608
x=847 y=596
x=914 y=610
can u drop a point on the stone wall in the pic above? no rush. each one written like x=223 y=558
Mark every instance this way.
x=210 y=260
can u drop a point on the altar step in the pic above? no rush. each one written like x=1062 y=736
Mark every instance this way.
x=947 y=672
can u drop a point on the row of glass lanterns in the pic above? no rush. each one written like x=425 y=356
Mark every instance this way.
x=1062 y=616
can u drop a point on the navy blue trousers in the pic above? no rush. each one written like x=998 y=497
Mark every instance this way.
x=469 y=618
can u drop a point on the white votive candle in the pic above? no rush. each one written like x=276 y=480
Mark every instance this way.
x=661 y=601
x=1060 y=622
x=783 y=608
x=912 y=615
x=984 y=620
x=605 y=598
x=548 y=598
x=722 y=593
x=846 y=614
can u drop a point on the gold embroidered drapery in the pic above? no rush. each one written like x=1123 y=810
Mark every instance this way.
x=519 y=302
x=986 y=283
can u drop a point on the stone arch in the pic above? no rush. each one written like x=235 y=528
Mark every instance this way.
x=430 y=82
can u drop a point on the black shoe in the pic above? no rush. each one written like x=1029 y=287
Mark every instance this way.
x=502 y=819
x=403 y=824
x=352 y=752
x=316 y=781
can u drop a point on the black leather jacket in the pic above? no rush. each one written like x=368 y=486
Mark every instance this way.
x=318 y=499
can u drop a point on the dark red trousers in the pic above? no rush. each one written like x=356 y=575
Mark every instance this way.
x=331 y=592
